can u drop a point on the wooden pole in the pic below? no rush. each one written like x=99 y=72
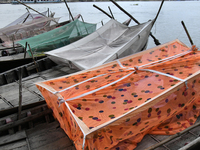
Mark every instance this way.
x=156 y=41
x=29 y=12
x=26 y=18
x=69 y=10
x=34 y=10
x=30 y=8
x=124 y=11
x=23 y=22
x=159 y=10
x=111 y=12
x=13 y=42
x=48 y=11
x=25 y=50
x=188 y=35
x=102 y=23
x=33 y=58
x=20 y=95
x=102 y=11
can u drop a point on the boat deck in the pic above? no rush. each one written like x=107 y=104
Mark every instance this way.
x=44 y=136
x=48 y=134
x=9 y=93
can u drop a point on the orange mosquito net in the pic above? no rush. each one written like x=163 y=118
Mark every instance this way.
x=114 y=105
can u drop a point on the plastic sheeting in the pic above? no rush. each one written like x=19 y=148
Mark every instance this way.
x=114 y=105
x=58 y=37
x=111 y=41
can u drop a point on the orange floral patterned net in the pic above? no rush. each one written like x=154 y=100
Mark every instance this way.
x=114 y=105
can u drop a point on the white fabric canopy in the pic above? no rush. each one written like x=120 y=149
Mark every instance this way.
x=111 y=41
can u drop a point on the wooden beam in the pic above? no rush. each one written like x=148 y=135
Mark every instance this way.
x=24 y=120
x=12 y=138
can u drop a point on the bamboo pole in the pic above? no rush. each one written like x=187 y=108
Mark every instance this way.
x=25 y=50
x=34 y=10
x=188 y=35
x=30 y=8
x=111 y=12
x=69 y=10
x=29 y=12
x=102 y=11
x=20 y=95
x=33 y=58
x=156 y=41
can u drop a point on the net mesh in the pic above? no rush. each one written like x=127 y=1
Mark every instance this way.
x=58 y=37
x=27 y=29
x=119 y=104
x=26 y=18
x=111 y=41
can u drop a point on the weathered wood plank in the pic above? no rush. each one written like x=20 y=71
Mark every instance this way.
x=24 y=120
x=12 y=138
x=3 y=105
x=44 y=136
x=148 y=142
x=34 y=110
x=18 y=145
x=62 y=143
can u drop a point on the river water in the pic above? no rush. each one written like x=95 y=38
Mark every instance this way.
x=167 y=27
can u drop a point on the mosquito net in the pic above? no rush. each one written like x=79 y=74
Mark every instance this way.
x=26 y=18
x=58 y=37
x=111 y=41
x=27 y=29
x=114 y=105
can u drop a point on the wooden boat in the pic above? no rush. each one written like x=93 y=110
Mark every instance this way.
x=17 y=57
x=152 y=92
x=112 y=41
x=12 y=33
x=38 y=126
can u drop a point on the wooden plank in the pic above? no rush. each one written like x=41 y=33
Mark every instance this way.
x=3 y=105
x=24 y=120
x=46 y=135
x=62 y=143
x=18 y=145
x=12 y=138
x=24 y=113
x=174 y=136
x=148 y=142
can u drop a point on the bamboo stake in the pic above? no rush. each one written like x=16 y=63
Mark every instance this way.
x=159 y=11
x=111 y=12
x=33 y=58
x=188 y=35
x=102 y=23
x=29 y=12
x=25 y=50
x=102 y=11
x=30 y=8
x=48 y=11
x=69 y=10
x=34 y=10
x=23 y=22
x=20 y=95
x=156 y=41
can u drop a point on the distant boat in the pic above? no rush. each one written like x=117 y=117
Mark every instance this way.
x=36 y=1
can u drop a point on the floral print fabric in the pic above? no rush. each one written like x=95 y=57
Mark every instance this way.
x=120 y=103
